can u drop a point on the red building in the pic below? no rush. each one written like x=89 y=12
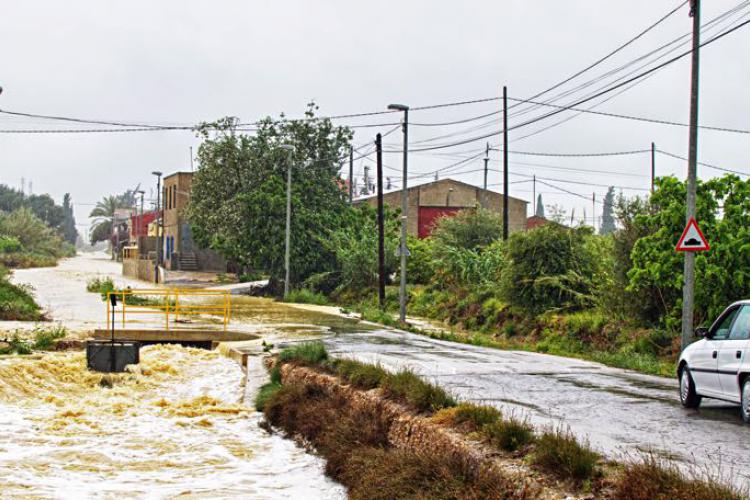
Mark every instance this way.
x=139 y=224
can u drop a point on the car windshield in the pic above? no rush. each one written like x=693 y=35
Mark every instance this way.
x=741 y=326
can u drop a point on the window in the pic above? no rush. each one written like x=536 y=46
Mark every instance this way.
x=741 y=326
x=721 y=332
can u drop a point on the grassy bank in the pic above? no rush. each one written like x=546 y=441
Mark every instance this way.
x=358 y=452
x=485 y=321
x=42 y=338
x=16 y=301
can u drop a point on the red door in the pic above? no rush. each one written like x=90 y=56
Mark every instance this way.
x=428 y=216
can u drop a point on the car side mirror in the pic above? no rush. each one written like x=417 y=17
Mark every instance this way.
x=701 y=332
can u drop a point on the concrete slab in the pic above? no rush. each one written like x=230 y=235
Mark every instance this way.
x=174 y=336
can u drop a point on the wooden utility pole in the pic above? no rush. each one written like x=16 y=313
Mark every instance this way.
x=593 y=213
x=653 y=166
x=486 y=161
x=381 y=223
x=688 y=290
x=351 y=175
x=505 y=163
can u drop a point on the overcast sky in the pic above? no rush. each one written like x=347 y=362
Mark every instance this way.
x=182 y=62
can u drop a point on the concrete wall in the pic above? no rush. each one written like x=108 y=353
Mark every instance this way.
x=141 y=269
x=451 y=193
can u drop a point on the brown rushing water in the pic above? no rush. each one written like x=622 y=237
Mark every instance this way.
x=178 y=425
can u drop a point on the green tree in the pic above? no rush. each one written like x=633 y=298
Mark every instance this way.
x=539 y=206
x=104 y=211
x=722 y=274
x=68 y=227
x=238 y=201
x=471 y=229
x=608 y=213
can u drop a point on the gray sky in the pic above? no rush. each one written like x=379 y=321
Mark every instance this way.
x=181 y=62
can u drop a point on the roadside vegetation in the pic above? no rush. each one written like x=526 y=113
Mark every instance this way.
x=16 y=301
x=42 y=338
x=104 y=286
x=355 y=441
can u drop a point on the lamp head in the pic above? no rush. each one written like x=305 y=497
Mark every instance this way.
x=398 y=107
x=1 y=90
x=156 y=173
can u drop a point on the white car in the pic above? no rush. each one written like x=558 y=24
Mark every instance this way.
x=718 y=365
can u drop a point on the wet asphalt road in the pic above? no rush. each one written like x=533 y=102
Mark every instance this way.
x=620 y=412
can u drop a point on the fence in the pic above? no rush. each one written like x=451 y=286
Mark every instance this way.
x=178 y=305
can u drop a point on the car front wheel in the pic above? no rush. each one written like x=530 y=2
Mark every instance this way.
x=745 y=402
x=688 y=397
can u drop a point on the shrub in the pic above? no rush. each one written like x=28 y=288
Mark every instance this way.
x=468 y=416
x=10 y=244
x=558 y=452
x=405 y=385
x=553 y=268
x=265 y=393
x=305 y=296
x=44 y=337
x=361 y=375
x=651 y=479
x=509 y=434
x=100 y=285
x=470 y=229
x=17 y=345
x=16 y=301
x=307 y=354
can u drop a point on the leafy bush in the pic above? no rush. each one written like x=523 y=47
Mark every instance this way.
x=16 y=301
x=18 y=346
x=305 y=296
x=44 y=337
x=553 y=268
x=355 y=245
x=10 y=244
x=307 y=354
x=420 y=265
x=558 y=452
x=470 y=229
x=100 y=285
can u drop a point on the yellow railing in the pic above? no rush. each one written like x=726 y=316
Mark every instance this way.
x=172 y=303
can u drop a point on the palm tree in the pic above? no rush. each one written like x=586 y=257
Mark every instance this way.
x=103 y=213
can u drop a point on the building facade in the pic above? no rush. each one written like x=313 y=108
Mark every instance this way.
x=178 y=248
x=444 y=198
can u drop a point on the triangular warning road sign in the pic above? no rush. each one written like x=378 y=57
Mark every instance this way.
x=692 y=239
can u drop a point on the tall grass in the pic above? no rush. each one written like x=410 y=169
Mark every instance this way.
x=307 y=353
x=558 y=452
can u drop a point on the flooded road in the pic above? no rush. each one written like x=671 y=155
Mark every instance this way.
x=622 y=413
x=184 y=425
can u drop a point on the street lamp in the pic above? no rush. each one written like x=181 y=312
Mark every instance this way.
x=290 y=149
x=159 y=225
x=404 y=210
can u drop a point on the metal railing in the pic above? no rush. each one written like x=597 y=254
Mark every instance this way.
x=175 y=304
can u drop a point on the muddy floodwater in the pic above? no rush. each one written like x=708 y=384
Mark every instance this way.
x=179 y=425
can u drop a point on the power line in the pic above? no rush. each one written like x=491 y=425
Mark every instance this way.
x=631 y=117
x=707 y=165
x=635 y=78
